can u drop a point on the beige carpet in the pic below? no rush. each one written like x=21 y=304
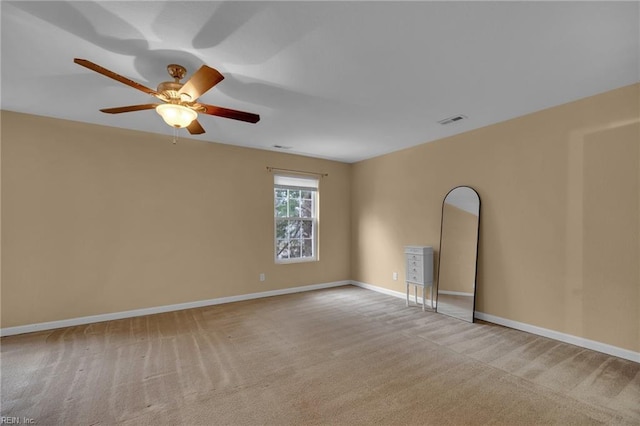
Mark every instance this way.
x=341 y=356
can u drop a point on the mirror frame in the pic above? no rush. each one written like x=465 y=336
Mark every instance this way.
x=475 y=272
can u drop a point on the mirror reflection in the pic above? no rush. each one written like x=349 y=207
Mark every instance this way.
x=458 y=253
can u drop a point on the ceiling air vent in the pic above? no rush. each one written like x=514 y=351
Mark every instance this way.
x=452 y=119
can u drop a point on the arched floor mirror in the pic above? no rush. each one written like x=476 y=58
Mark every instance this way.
x=457 y=266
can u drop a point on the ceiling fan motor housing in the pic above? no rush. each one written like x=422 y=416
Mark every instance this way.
x=170 y=90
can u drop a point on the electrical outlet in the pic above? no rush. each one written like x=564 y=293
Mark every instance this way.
x=395 y=276
x=262 y=277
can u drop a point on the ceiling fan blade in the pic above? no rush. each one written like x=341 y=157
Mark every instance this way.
x=195 y=128
x=129 y=108
x=201 y=81
x=231 y=113
x=97 y=68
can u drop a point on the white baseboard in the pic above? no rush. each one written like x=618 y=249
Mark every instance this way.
x=563 y=337
x=388 y=292
x=552 y=334
x=30 y=328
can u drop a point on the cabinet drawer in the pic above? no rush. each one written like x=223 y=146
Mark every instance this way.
x=415 y=273
x=415 y=263
x=414 y=250
x=415 y=279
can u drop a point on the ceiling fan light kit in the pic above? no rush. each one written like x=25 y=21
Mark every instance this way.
x=177 y=116
x=180 y=107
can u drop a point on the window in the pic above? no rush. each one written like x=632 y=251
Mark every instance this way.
x=296 y=218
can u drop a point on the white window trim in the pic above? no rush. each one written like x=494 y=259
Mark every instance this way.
x=302 y=183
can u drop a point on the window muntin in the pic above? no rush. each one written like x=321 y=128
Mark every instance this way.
x=296 y=218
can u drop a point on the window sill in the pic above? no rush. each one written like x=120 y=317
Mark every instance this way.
x=301 y=260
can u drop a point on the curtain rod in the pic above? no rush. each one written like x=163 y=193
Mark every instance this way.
x=277 y=169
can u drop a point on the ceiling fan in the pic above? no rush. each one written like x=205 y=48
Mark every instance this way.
x=179 y=107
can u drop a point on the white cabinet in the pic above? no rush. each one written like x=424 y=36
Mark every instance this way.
x=419 y=271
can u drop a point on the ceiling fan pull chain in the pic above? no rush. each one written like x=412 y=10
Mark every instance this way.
x=175 y=135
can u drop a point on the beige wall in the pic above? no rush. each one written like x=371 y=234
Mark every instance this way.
x=457 y=269
x=98 y=220
x=560 y=232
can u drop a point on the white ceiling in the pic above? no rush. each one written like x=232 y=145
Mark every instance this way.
x=338 y=80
